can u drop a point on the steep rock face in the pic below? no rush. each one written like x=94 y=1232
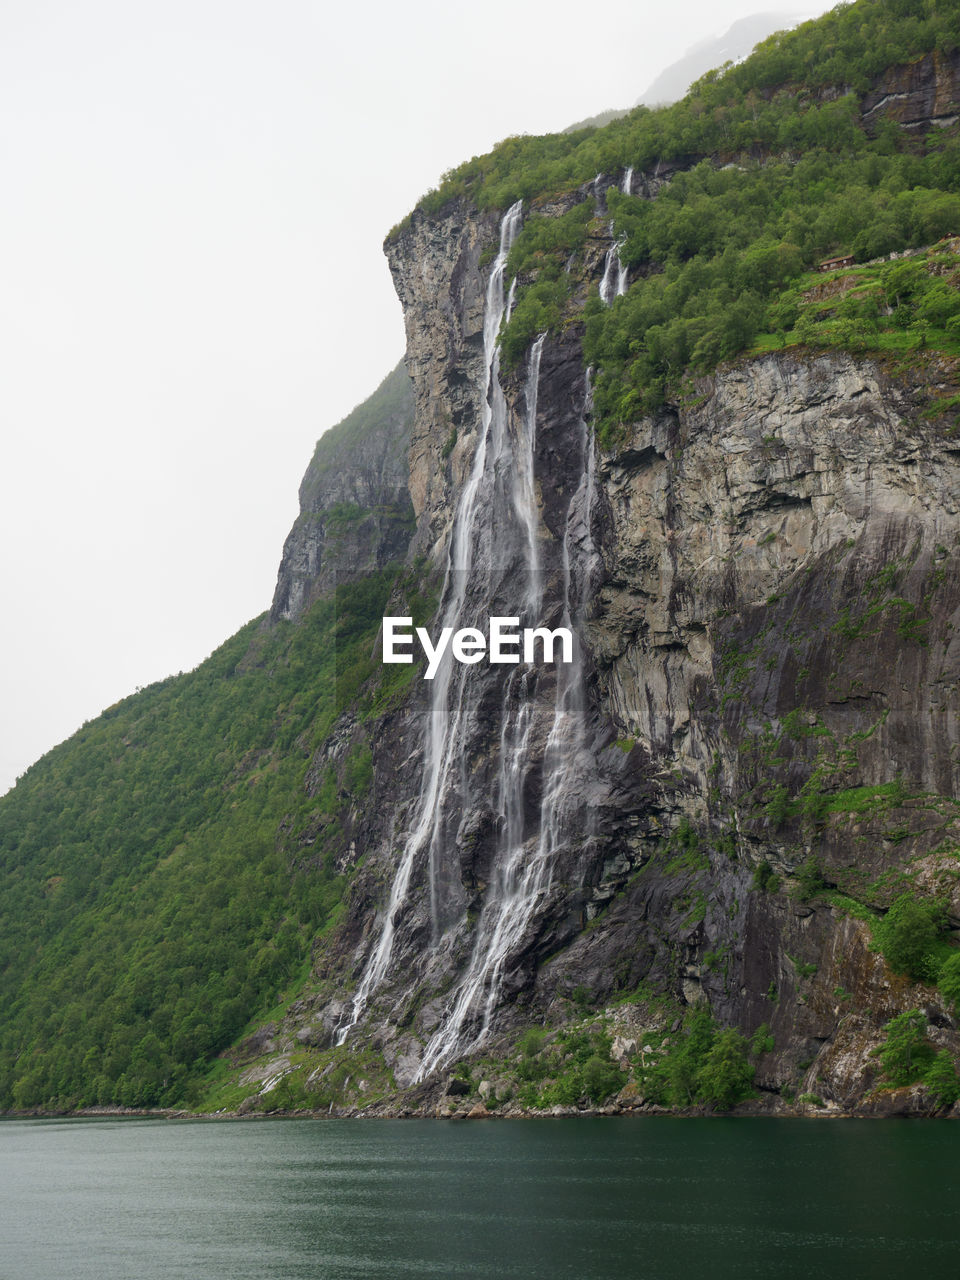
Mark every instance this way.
x=773 y=630
x=777 y=631
x=436 y=270
x=917 y=95
x=459 y=922
x=770 y=690
x=355 y=510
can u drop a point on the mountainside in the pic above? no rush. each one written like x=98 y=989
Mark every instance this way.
x=711 y=860
x=355 y=513
x=735 y=43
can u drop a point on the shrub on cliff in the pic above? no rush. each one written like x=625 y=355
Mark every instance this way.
x=706 y=1065
x=910 y=937
x=726 y=1076
x=601 y=1078
x=942 y=1080
x=949 y=981
x=906 y=1054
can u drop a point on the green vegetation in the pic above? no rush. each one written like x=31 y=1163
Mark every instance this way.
x=765 y=879
x=321 y=1082
x=703 y=1065
x=726 y=256
x=912 y=939
x=949 y=981
x=572 y=1065
x=390 y=405
x=810 y=880
x=773 y=178
x=165 y=872
x=909 y=1058
x=942 y=1080
x=905 y=1054
x=754 y=106
x=683 y=850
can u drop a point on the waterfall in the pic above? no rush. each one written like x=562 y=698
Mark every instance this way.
x=523 y=867
x=445 y=715
x=494 y=559
x=621 y=276
x=614 y=281
x=525 y=499
x=627 y=181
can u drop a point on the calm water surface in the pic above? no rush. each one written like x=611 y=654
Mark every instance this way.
x=591 y=1199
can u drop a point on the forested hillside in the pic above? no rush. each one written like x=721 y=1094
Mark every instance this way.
x=165 y=872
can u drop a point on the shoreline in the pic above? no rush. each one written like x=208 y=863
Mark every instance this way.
x=889 y=1106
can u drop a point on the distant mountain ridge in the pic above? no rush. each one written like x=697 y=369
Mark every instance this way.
x=706 y=55
x=735 y=44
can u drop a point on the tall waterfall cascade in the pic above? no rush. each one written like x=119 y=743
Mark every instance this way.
x=523 y=866
x=500 y=560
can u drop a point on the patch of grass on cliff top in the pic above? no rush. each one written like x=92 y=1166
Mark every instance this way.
x=902 y=306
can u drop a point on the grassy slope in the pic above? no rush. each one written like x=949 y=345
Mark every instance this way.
x=164 y=872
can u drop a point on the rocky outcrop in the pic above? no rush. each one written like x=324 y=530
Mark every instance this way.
x=436 y=268
x=918 y=95
x=355 y=512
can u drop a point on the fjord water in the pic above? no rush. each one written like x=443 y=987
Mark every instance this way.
x=336 y=1200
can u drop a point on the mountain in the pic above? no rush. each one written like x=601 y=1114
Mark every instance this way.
x=675 y=80
x=709 y=860
x=734 y=45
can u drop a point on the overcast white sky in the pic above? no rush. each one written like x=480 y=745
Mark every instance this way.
x=192 y=286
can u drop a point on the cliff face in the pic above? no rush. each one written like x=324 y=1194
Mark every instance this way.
x=778 y=621
x=774 y=621
x=917 y=95
x=436 y=272
x=769 y=643
x=759 y=747
x=355 y=512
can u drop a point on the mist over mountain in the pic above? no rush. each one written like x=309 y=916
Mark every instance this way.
x=734 y=45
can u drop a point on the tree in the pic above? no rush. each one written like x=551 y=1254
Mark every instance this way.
x=905 y=1052
x=726 y=1076
x=949 y=981
x=682 y=1067
x=942 y=1080
x=908 y=935
x=601 y=1077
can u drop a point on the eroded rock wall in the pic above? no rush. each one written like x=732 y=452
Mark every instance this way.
x=355 y=510
x=771 y=691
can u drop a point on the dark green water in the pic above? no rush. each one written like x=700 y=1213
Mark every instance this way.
x=654 y=1197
